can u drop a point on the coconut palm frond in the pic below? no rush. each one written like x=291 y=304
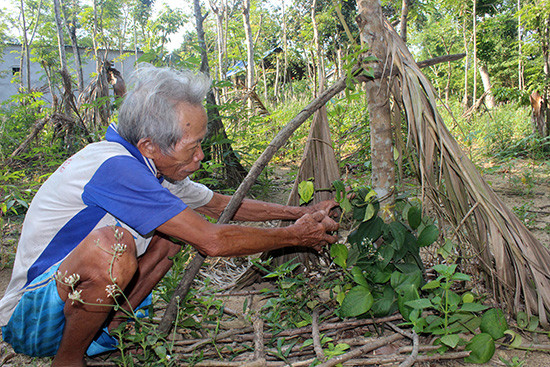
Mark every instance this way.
x=518 y=265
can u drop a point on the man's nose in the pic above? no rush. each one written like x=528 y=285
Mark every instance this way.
x=199 y=156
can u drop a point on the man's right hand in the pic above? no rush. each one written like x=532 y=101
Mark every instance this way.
x=313 y=230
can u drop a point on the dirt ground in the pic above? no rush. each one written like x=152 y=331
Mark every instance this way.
x=522 y=185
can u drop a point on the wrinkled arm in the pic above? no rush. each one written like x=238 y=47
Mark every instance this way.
x=232 y=240
x=257 y=211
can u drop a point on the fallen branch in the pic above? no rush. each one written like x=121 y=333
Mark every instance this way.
x=316 y=336
x=33 y=134
x=259 y=348
x=359 y=351
x=411 y=359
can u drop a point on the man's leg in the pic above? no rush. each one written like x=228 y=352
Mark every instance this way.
x=98 y=264
x=152 y=266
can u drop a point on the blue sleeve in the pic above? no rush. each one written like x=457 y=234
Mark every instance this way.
x=129 y=191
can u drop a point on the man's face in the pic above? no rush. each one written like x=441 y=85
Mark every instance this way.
x=187 y=154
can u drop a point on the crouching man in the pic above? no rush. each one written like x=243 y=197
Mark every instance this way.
x=107 y=214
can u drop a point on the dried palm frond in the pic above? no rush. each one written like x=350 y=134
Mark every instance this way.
x=518 y=265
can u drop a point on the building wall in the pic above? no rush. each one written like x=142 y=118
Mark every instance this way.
x=10 y=63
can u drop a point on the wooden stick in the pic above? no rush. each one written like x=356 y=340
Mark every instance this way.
x=316 y=336
x=411 y=359
x=259 y=348
x=362 y=350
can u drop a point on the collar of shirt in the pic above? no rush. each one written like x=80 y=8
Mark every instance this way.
x=113 y=136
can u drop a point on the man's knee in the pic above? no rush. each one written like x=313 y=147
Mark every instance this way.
x=106 y=256
x=116 y=247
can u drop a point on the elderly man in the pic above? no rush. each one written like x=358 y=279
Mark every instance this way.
x=107 y=214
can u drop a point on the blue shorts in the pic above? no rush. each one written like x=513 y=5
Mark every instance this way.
x=36 y=326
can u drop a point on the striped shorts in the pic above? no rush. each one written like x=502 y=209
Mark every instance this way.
x=36 y=326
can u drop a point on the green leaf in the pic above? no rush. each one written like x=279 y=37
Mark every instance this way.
x=160 y=351
x=358 y=301
x=419 y=303
x=405 y=293
x=431 y=285
x=493 y=322
x=447 y=249
x=370 y=195
x=381 y=276
x=461 y=277
x=468 y=297
x=516 y=338
x=522 y=319
x=346 y=205
x=473 y=307
x=369 y=212
x=450 y=340
x=385 y=304
x=533 y=323
x=371 y=230
x=482 y=347
x=340 y=191
x=359 y=277
x=398 y=232
x=414 y=217
x=339 y=252
x=428 y=236
x=386 y=252
x=305 y=190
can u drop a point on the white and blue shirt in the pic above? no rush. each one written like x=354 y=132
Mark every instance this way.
x=106 y=183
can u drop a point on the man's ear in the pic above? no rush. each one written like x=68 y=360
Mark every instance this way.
x=147 y=148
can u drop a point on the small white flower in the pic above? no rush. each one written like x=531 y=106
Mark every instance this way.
x=71 y=280
x=75 y=296
x=118 y=234
x=111 y=290
x=59 y=276
x=118 y=248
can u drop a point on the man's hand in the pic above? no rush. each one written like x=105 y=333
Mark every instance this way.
x=312 y=229
x=327 y=206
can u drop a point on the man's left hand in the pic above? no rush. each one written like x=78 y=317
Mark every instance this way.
x=327 y=205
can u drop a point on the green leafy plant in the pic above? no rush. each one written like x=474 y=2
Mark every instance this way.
x=383 y=273
x=514 y=362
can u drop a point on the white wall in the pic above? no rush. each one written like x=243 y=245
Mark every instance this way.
x=11 y=60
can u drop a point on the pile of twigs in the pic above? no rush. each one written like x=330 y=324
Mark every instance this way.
x=253 y=344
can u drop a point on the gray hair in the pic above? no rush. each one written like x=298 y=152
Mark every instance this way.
x=149 y=109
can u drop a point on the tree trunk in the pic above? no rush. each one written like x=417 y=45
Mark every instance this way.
x=546 y=56
x=234 y=171
x=71 y=30
x=320 y=57
x=403 y=22
x=101 y=112
x=486 y=79
x=521 y=81
x=249 y=51
x=465 y=99
x=68 y=97
x=277 y=77
x=26 y=53
x=373 y=33
x=220 y=12
x=285 y=49
x=474 y=56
